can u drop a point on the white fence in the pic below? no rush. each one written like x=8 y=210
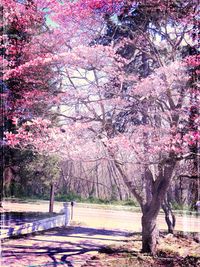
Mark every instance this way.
x=36 y=226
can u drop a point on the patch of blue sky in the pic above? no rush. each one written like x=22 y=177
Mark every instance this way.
x=50 y=23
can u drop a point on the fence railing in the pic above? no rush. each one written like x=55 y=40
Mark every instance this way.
x=39 y=225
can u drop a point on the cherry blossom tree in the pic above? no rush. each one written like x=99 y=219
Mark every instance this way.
x=22 y=26
x=128 y=93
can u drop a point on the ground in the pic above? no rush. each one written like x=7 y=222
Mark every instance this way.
x=94 y=239
x=71 y=245
x=176 y=251
x=77 y=246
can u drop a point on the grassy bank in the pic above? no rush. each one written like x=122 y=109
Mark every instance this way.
x=128 y=205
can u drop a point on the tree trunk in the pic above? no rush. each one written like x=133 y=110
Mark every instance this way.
x=150 y=234
x=1 y=177
x=169 y=216
x=1 y=192
x=155 y=194
x=151 y=209
x=51 y=203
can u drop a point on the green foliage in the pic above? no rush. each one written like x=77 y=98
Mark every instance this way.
x=71 y=196
x=178 y=206
x=97 y=200
x=34 y=176
x=130 y=202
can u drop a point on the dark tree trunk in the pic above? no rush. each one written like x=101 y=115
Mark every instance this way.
x=51 y=203
x=1 y=192
x=169 y=216
x=151 y=204
x=150 y=234
x=1 y=178
x=152 y=207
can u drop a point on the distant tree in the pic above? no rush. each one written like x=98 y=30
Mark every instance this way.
x=21 y=27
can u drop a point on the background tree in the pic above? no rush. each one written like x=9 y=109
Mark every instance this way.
x=22 y=25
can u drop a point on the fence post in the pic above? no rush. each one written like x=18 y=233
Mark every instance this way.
x=72 y=209
x=67 y=212
x=51 y=202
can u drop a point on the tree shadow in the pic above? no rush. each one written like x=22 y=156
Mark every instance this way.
x=57 y=254
x=84 y=240
x=87 y=231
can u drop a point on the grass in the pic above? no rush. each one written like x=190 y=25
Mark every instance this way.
x=77 y=199
x=174 y=251
x=71 y=196
x=91 y=202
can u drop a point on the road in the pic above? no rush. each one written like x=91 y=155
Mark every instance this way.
x=108 y=219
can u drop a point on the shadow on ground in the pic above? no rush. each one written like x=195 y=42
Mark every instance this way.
x=59 y=247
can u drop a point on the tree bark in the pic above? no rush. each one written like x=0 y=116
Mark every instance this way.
x=150 y=234
x=151 y=203
x=1 y=191
x=169 y=216
x=1 y=178
x=152 y=207
x=150 y=211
